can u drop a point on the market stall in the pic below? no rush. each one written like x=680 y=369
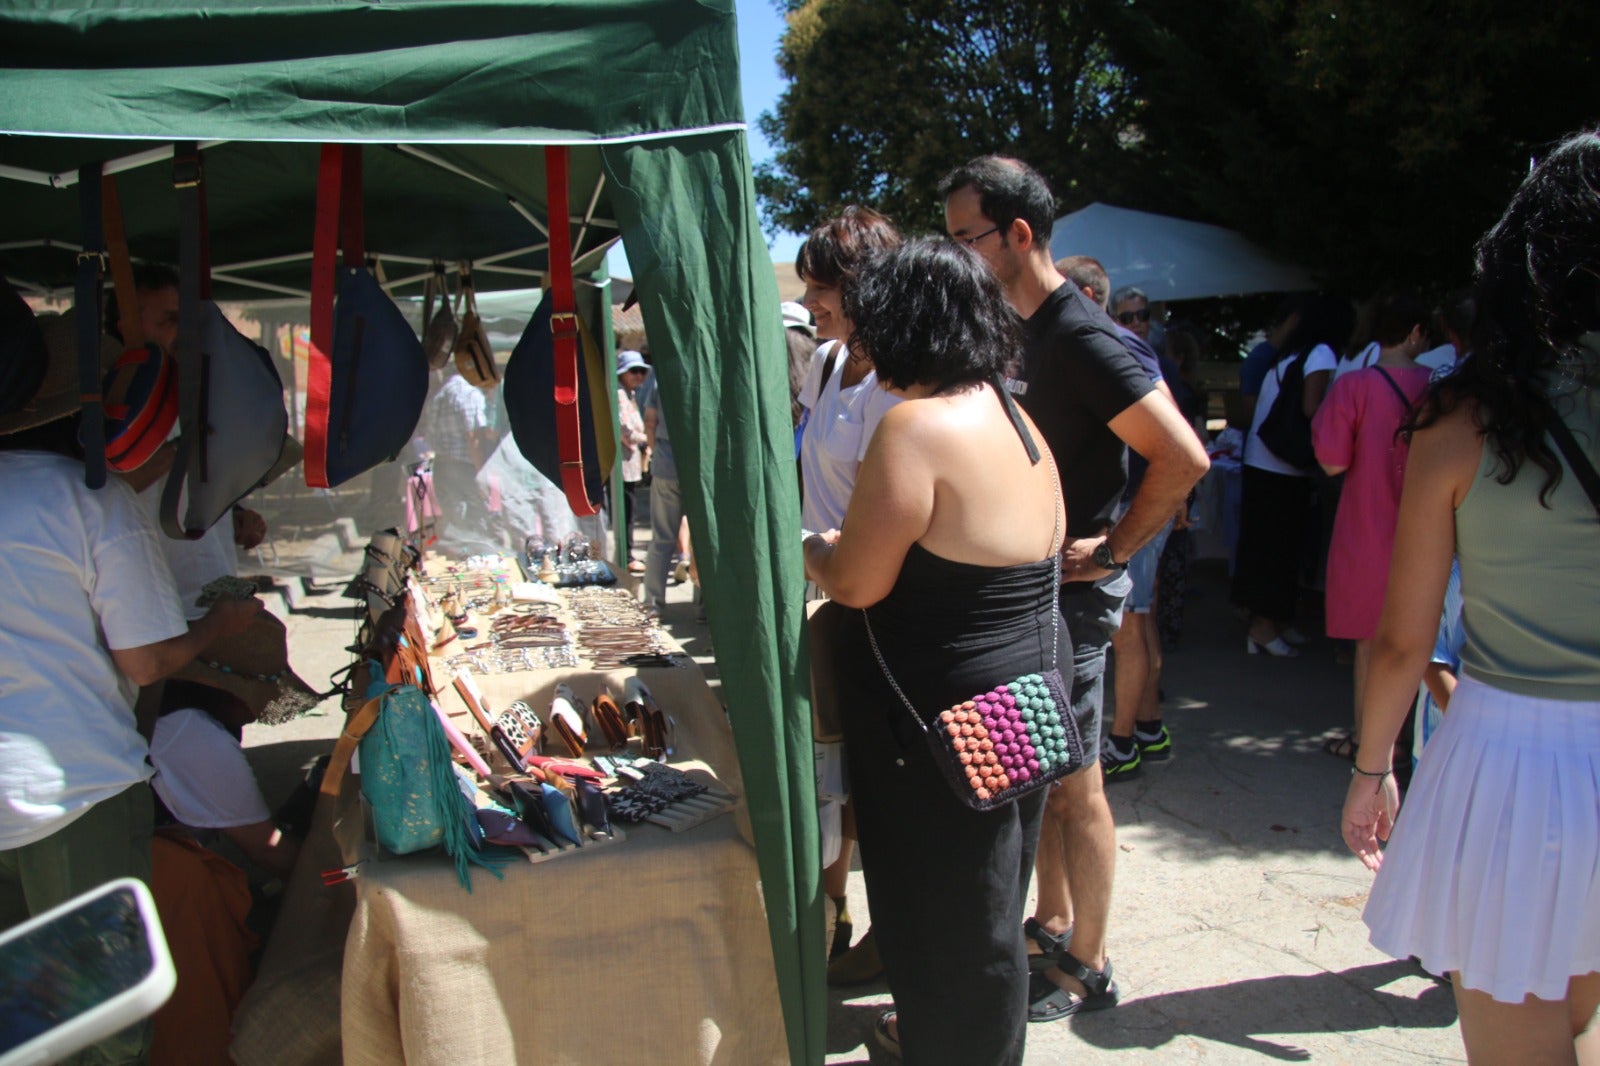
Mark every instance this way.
x=455 y=102
x=429 y=968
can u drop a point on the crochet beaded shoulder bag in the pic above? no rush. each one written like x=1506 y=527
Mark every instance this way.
x=1014 y=738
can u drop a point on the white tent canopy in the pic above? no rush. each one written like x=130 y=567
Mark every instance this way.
x=1171 y=258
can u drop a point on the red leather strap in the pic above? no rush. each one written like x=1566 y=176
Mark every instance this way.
x=564 y=331
x=319 y=374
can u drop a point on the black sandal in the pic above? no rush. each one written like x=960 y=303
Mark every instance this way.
x=1051 y=945
x=1048 y=1001
x=1341 y=747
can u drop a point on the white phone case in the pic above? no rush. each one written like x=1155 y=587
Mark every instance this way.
x=121 y=1007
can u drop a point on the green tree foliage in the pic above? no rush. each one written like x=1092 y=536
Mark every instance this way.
x=1371 y=141
x=886 y=96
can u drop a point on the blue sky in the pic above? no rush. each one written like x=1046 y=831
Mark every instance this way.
x=760 y=28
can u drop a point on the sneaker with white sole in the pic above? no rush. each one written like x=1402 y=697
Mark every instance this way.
x=1117 y=764
x=1154 y=747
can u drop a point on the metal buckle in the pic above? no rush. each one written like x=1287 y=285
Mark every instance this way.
x=187 y=171
x=570 y=327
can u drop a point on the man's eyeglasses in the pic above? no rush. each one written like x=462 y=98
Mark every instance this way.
x=1128 y=318
x=972 y=242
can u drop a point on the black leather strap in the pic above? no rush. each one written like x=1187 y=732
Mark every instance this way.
x=1581 y=467
x=187 y=179
x=91 y=264
x=1398 y=391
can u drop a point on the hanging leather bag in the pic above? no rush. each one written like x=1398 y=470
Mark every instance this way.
x=439 y=329
x=368 y=376
x=474 y=357
x=230 y=398
x=557 y=390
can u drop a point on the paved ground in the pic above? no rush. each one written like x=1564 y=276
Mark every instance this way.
x=1236 y=929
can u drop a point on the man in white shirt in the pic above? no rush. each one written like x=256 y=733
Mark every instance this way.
x=90 y=617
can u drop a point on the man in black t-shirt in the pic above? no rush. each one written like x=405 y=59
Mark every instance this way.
x=1092 y=402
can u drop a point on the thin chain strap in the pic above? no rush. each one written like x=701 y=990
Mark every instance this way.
x=1055 y=606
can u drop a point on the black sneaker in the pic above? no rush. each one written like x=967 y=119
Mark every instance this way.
x=1116 y=764
x=1156 y=746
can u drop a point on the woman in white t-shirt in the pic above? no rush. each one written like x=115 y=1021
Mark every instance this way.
x=843 y=405
x=841 y=395
x=1275 y=511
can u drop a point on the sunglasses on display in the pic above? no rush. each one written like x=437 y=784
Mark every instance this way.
x=1128 y=318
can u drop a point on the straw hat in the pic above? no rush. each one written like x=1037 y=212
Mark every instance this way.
x=797 y=317
x=254 y=666
x=58 y=394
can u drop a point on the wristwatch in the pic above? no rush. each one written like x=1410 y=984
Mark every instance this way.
x=1102 y=557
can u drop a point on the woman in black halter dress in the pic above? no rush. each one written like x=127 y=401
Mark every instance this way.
x=950 y=546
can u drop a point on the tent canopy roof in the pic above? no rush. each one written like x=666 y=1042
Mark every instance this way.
x=451 y=94
x=1171 y=258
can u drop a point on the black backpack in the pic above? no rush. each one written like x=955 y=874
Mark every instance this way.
x=1286 y=431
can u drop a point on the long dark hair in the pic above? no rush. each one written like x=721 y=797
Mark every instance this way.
x=1537 y=291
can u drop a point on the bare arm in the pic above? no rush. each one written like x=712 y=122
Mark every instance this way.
x=650 y=420
x=887 y=515
x=149 y=663
x=1155 y=428
x=1315 y=388
x=1443 y=462
x=1441 y=684
x=266 y=846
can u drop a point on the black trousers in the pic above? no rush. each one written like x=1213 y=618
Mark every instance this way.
x=947 y=887
x=1274 y=520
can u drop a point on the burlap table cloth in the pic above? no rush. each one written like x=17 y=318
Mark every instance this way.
x=653 y=947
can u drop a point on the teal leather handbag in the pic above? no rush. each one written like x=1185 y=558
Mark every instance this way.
x=411 y=785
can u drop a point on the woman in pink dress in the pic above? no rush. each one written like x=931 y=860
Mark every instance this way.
x=1356 y=433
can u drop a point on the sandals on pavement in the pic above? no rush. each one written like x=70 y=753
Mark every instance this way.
x=1050 y=944
x=1341 y=747
x=1048 y=1001
x=880 y=1032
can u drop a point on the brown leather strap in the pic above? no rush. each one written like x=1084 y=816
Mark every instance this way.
x=355 y=727
x=128 y=320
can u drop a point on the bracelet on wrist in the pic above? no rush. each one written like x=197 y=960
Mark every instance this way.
x=1356 y=771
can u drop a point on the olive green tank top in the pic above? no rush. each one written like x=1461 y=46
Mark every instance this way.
x=1530 y=576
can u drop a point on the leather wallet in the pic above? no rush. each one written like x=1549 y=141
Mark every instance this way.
x=502 y=828
x=518 y=733
x=609 y=720
x=562 y=808
x=654 y=725
x=592 y=806
x=552 y=767
x=566 y=722
x=526 y=797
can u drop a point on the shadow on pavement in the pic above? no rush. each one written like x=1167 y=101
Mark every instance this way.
x=1245 y=1013
x=1248 y=773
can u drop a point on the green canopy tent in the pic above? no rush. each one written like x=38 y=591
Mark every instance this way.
x=456 y=98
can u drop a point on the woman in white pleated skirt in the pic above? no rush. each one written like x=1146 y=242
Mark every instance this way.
x=1493 y=871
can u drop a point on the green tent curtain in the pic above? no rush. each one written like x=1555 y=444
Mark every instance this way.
x=687 y=210
x=647 y=93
